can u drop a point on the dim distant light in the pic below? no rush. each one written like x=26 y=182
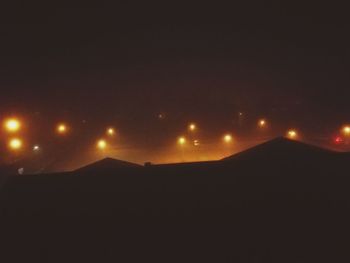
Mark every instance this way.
x=15 y=144
x=12 y=125
x=101 y=144
x=196 y=142
x=228 y=138
x=338 y=140
x=292 y=134
x=181 y=140
x=161 y=116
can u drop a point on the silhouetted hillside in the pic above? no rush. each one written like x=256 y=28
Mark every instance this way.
x=284 y=156
x=282 y=149
x=282 y=201
x=108 y=165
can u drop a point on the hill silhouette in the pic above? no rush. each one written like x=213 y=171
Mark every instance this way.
x=281 y=148
x=107 y=165
x=287 y=156
x=281 y=201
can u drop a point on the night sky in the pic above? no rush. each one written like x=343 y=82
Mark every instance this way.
x=124 y=64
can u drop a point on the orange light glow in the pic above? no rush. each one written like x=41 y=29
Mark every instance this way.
x=181 y=140
x=101 y=144
x=196 y=143
x=15 y=144
x=262 y=123
x=192 y=127
x=111 y=131
x=227 y=138
x=346 y=130
x=62 y=128
x=12 y=125
x=292 y=134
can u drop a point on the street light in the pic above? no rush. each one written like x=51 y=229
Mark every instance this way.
x=111 y=131
x=292 y=134
x=101 y=144
x=192 y=127
x=15 y=144
x=262 y=123
x=61 y=128
x=227 y=138
x=181 y=141
x=12 y=125
x=36 y=148
x=346 y=130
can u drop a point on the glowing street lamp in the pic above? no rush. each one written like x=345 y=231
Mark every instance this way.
x=101 y=144
x=36 y=148
x=110 y=132
x=292 y=134
x=181 y=141
x=61 y=128
x=192 y=127
x=12 y=125
x=227 y=138
x=15 y=144
x=262 y=123
x=346 y=130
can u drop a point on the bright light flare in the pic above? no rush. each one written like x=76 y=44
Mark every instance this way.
x=12 y=125
x=36 y=148
x=15 y=144
x=292 y=134
x=192 y=127
x=346 y=130
x=62 y=128
x=101 y=144
x=262 y=123
x=227 y=138
x=110 y=131
x=181 y=140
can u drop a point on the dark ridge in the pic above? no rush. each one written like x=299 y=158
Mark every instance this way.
x=281 y=148
x=262 y=205
x=184 y=164
x=108 y=164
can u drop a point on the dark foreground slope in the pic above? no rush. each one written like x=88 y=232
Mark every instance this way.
x=279 y=202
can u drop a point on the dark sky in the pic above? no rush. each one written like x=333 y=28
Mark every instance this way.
x=124 y=63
